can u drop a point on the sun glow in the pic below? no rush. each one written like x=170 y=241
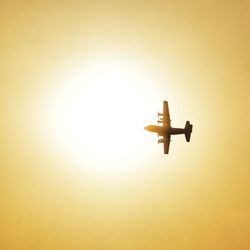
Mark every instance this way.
x=97 y=116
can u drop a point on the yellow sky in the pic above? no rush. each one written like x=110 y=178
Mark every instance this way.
x=195 y=54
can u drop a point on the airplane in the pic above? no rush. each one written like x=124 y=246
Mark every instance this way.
x=165 y=131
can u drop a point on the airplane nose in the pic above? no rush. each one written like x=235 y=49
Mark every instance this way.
x=149 y=128
x=152 y=128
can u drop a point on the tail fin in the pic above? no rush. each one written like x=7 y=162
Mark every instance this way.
x=188 y=130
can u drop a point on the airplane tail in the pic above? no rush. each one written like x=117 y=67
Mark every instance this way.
x=188 y=130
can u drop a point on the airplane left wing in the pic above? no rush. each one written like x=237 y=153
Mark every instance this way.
x=166 y=142
x=166 y=116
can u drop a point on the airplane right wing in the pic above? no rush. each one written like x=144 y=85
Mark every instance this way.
x=166 y=142
x=166 y=116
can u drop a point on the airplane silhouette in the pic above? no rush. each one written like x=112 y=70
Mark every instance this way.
x=165 y=131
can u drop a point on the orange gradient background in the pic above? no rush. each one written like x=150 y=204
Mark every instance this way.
x=79 y=81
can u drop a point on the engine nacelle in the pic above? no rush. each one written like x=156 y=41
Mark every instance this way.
x=160 y=121
x=160 y=141
x=159 y=114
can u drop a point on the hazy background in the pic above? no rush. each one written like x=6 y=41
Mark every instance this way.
x=195 y=198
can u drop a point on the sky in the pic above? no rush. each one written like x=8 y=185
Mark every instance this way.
x=79 y=80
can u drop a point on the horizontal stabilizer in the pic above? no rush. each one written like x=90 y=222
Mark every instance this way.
x=188 y=130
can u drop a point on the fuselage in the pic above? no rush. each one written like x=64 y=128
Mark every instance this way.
x=164 y=130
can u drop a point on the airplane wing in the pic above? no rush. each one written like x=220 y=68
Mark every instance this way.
x=166 y=142
x=166 y=116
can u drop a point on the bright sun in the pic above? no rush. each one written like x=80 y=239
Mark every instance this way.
x=97 y=116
